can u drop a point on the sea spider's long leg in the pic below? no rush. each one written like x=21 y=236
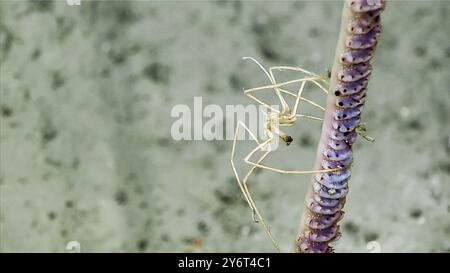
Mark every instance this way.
x=253 y=204
x=300 y=91
x=303 y=99
x=243 y=185
x=248 y=92
x=256 y=164
x=315 y=81
x=283 y=102
x=233 y=150
x=278 y=85
x=298 y=97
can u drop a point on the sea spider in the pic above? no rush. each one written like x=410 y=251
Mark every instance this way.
x=275 y=119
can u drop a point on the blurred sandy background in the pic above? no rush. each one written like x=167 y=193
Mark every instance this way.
x=86 y=152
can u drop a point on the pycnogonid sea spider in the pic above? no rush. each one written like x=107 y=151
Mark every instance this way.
x=285 y=117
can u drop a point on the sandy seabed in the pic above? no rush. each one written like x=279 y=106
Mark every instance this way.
x=86 y=150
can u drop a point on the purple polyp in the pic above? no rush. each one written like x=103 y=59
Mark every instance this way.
x=350 y=101
x=364 y=40
x=364 y=25
x=334 y=177
x=330 y=164
x=317 y=208
x=357 y=56
x=360 y=95
x=327 y=202
x=323 y=235
x=346 y=125
x=321 y=221
x=334 y=184
x=338 y=144
x=329 y=192
x=307 y=246
x=349 y=137
x=369 y=18
x=366 y=5
x=355 y=72
x=349 y=88
x=337 y=155
x=348 y=113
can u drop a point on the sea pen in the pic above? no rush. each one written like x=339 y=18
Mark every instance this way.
x=360 y=29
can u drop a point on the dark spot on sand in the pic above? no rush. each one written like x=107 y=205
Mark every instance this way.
x=143 y=205
x=266 y=31
x=420 y=13
x=299 y=5
x=36 y=54
x=415 y=125
x=124 y=13
x=48 y=132
x=268 y=52
x=117 y=56
x=224 y=198
x=6 y=111
x=51 y=215
x=351 y=227
x=6 y=40
x=219 y=145
x=236 y=82
x=202 y=227
x=65 y=27
x=121 y=197
x=305 y=140
x=415 y=213
x=221 y=3
x=105 y=72
x=53 y=162
x=228 y=196
x=435 y=64
x=42 y=5
x=142 y=244
x=447 y=230
x=70 y=204
x=131 y=176
x=370 y=236
x=443 y=166
x=163 y=142
x=207 y=163
x=75 y=163
x=211 y=88
x=447 y=52
x=420 y=51
x=313 y=32
x=157 y=72
x=181 y=212
x=165 y=237
x=57 y=80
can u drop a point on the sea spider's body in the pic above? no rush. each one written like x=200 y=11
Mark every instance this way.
x=274 y=120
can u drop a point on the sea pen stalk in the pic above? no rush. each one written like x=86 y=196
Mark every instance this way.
x=359 y=32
